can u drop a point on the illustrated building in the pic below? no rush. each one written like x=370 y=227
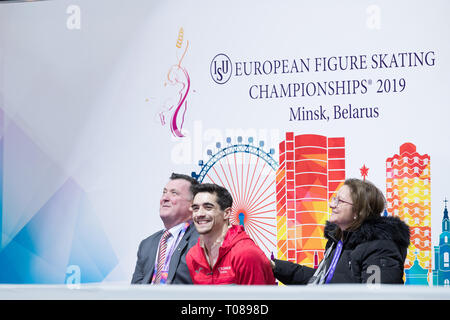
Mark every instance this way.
x=311 y=169
x=408 y=195
x=416 y=275
x=441 y=272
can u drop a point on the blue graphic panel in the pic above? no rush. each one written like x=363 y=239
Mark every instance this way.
x=91 y=250
x=63 y=232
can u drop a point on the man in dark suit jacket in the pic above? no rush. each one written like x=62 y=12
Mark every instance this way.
x=176 y=215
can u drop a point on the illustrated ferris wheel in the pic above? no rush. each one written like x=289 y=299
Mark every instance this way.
x=248 y=173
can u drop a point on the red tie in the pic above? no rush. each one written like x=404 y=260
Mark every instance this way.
x=162 y=255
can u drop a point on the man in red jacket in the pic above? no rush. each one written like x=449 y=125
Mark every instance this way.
x=224 y=253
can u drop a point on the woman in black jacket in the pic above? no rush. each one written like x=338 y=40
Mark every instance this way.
x=362 y=247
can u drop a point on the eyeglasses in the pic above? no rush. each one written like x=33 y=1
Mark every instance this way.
x=335 y=201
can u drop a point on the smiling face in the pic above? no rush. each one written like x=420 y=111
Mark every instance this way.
x=175 y=203
x=208 y=217
x=342 y=212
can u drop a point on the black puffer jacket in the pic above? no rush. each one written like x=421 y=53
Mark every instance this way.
x=381 y=242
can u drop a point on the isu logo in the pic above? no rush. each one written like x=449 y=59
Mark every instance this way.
x=221 y=68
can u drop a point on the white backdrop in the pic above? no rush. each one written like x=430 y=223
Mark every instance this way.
x=82 y=84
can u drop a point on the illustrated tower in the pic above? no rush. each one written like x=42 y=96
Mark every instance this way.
x=441 y=272
x=416 y=275
x=311 y=169
x=408 y=195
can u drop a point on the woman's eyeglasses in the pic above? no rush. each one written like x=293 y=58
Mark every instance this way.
x=335 y=201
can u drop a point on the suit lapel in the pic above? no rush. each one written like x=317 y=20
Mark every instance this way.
x=175 y=260
x=150 y=265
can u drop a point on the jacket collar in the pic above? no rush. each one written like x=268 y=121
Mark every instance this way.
x=380 y=228
x=234 y=234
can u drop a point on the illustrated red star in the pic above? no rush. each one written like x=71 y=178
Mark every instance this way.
x=364 y=172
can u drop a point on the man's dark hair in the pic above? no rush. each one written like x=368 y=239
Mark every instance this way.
x=176 y=176
x=224 y=198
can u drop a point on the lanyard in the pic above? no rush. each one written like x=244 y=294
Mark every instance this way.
x=333 y=264
x=174 y=245
x=170 y=253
